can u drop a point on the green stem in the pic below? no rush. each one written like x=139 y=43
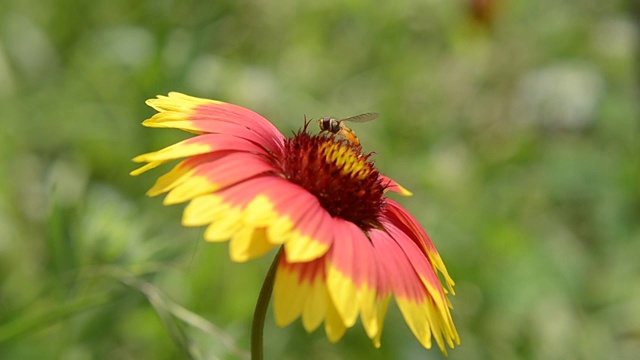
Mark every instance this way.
x=259 y=314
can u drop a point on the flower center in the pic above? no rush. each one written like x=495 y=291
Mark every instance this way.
x=343 y=179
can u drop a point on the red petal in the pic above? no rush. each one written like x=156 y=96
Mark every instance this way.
x=392 y=185
x=420 y=263
x=207 y=117
x=230 y=168
x=397 y=272
x=352 y=253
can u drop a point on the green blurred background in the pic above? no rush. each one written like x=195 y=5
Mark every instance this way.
x=516 y=128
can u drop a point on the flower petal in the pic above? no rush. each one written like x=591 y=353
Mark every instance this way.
x=425 y=314
x=333 y=324
x=419 y=262
x=283 y=211
x=438 y=313
x=211 y=176
x=374 y=322
x=407 y=288
x=409 y=225
x=227 y=223
x=351 y=272
x=299 y=290
x=180 y=173
x=315 y=306
x=229 y=217
x=311 y=236
x=391 y=185
x=203 y=210
x=203 y=115
x=301 y=224
x=198 y=145
x=176 y=102
x=249 y=243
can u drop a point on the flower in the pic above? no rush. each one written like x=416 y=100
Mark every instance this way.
x=347 y=248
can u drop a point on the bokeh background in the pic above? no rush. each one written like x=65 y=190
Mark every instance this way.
x=515 y=124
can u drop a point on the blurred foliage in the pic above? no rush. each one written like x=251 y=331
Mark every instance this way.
x=515 y=123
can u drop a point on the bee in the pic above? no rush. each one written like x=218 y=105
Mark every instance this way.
x=337 y=126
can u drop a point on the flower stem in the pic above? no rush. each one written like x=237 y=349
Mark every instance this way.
x=257 y=328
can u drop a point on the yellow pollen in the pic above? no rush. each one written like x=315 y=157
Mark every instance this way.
x=346 y=159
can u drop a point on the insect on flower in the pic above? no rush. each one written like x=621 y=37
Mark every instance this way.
x=337 y=126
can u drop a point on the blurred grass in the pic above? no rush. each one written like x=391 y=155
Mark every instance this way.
x=519 y=138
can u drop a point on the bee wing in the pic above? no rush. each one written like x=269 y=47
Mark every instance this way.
x=362 y=117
